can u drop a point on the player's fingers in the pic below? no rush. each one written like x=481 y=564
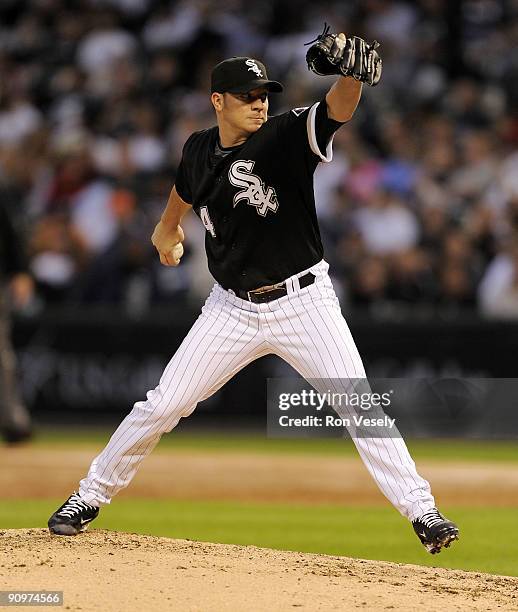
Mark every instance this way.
x=163 y=259
x=173 y=259
x=338 y=47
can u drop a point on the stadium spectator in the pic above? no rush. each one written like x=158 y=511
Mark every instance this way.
x=498 y=291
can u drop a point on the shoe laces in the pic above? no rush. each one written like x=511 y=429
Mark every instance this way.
x=431 y=518
x=74 y=505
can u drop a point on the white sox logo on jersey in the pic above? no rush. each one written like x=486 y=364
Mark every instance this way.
x=254 y=190
x=254 y=67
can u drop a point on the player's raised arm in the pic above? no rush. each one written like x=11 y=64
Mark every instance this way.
x=354 y=60
x=342 y=99
x=168 y=235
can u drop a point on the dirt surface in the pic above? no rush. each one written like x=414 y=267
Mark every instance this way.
x=252 y=477
x=103 y=570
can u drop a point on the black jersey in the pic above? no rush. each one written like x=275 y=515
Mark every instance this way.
x=256 y=200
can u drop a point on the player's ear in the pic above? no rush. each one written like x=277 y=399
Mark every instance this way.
x=217 y=100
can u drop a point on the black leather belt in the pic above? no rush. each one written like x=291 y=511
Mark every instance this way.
x=273 y=292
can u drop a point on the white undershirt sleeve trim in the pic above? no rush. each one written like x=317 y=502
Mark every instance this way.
x=312 y=136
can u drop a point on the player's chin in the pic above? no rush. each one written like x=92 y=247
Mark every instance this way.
x=254 y=125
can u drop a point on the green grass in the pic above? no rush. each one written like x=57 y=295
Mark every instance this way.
x=442 y=450
x=488 y=536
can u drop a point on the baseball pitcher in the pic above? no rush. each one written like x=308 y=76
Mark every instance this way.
x=250 y=181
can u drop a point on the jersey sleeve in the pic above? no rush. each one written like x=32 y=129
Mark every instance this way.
x=183 y=182
x=311 y=128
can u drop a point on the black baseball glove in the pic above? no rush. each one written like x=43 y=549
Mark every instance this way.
x=336 y=54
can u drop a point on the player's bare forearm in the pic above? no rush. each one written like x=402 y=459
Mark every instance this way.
x=343 y=97
x=168 y=234
x=174 y=211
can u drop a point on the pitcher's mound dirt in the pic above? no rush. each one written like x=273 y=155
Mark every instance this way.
x=105 y=570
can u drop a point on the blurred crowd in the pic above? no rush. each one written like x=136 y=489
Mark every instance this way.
x=419 y=209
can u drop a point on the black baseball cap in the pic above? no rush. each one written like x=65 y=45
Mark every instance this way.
x=240 y=75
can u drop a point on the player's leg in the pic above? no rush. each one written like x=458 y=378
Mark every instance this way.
x=308 y=330
x=310 y=333
x=223 y=340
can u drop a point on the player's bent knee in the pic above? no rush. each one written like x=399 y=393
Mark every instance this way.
x=189 y=410
x=164 y=414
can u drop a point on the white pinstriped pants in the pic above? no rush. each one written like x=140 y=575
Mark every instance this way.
x=306 y=328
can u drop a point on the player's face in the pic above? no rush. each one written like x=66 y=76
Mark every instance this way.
x=248 y=111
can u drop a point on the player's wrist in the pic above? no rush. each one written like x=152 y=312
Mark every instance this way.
x=168 y=223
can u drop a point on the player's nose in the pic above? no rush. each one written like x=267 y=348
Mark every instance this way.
x=258 y=104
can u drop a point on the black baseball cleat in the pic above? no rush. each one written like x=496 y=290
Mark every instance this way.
x=435 y=531
x=72 y=517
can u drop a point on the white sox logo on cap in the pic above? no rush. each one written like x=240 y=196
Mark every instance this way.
x=254 y=67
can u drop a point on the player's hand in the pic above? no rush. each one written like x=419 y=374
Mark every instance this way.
x=168 y=243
